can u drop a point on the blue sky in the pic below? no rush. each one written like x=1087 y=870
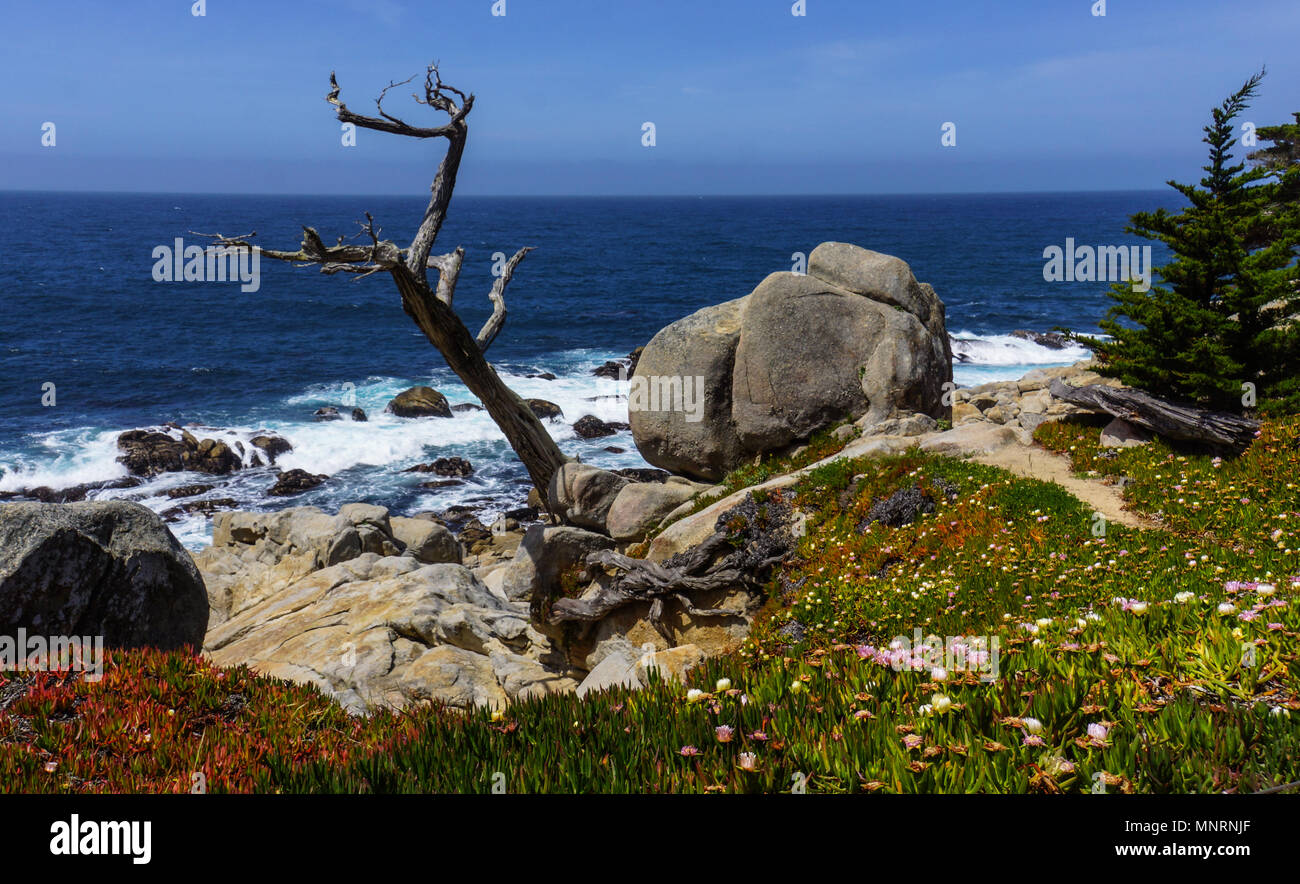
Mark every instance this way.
x=745 y=96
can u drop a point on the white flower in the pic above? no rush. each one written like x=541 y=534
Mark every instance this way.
x=1266 y=589
x=796 y=686
x=694 y=695
x=1033 y=725
x=1226 y=608
x=1097 y=731
x=941 y=703
x=1184 y=597
x=938 y=673
x=1092 y=615
x=724 y=684
x=925 y=709
x=748 y=761
x=1138 y=608
x=1280 y=712
x=1044 y=621
x=1081 y=623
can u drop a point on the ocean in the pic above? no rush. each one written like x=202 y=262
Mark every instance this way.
x=81 y=311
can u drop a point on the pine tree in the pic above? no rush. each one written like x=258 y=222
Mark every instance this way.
x=1285 y=151
x=1218 y=320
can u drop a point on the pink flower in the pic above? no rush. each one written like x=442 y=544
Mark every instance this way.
x=760 y=736
x=913 y=741
x=689 y=751
x=724 y=733
x=1033 y=740
x=748 y=761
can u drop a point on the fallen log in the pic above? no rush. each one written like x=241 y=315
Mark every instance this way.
x=1187 y=423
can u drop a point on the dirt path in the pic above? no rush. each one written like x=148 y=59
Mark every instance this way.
x=1034 y=462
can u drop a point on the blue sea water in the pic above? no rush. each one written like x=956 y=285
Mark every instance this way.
x=80 y=309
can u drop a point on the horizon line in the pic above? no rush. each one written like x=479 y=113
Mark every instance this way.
x=588 y=195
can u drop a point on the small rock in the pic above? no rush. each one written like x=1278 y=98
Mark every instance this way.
x=544 y=409
x=295 y=482
x=188 y=491
x=419 y=402
x=272 y=446
x=591 y=427
x=426 y=541
x=1122 y=434
x=445 y=466
x=969 y=439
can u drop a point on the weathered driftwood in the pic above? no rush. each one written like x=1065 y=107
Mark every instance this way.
x=430 y=307
x=1187 y=423
x=747 y=540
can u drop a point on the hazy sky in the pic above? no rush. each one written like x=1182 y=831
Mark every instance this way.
x=745 y=96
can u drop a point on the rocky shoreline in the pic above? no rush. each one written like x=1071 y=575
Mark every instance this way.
x=381 y=611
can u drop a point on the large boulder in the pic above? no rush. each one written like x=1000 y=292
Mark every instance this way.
x=109 y=569
x=700 y=442
x=856 y=336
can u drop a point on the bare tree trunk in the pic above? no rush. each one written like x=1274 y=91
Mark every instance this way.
x=525 y=432
x=430 y=308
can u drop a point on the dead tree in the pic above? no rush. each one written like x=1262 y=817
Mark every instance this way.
x=747 y=542
x=1218 y=429
x=431 y=307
